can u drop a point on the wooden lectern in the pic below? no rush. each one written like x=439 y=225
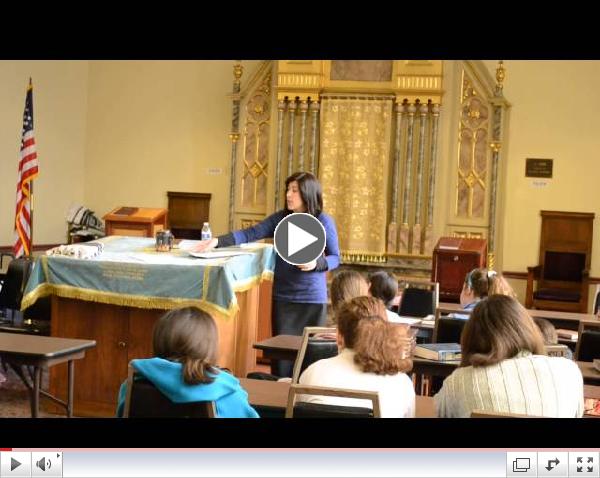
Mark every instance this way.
x=135 y=221
x=453 y=259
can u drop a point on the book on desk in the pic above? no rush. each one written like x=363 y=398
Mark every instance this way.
x=440 y=352
x=567 y=334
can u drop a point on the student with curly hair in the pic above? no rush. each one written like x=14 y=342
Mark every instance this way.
x=374 y=355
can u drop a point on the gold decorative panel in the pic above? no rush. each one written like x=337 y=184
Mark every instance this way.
x=255 y=161
x=361 y=70
x=473 y=138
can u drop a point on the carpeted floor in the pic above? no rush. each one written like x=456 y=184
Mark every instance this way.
x=14 y=396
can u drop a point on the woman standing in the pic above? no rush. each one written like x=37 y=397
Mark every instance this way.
x=299 y=292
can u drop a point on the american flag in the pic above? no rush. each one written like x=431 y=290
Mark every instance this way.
x=28 y=170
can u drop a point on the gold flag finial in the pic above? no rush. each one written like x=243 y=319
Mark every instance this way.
x=500 y=75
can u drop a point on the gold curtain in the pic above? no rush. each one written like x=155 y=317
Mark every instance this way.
x=354 y=166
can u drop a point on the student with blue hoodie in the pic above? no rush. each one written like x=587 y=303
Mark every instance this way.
x=185 y=344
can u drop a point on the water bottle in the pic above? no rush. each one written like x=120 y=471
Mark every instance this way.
x=206 y=232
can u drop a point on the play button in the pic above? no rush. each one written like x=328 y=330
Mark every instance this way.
x=299 y=238
x=14 y=464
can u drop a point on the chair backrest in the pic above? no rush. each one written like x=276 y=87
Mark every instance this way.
x=558 y=351
x=320 y=410
x=419 y=301
x=448 y=330
x=143 y=399
x=314 y=348
x=588 y=346
x=14 y=283
x=564 y=266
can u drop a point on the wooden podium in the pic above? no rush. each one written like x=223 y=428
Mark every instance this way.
x=453 y=259
x=135 y=221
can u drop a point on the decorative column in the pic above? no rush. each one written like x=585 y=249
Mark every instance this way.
x=495 y=145
x=314 y=125
x=303 y=111
x=292 y=116
x=392 y=245
x=416 y=246
x=280 y=118
x=234 y=136
x=428 y=236
x=405 y=228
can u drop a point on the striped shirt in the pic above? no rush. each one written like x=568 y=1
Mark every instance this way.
x=526 y=384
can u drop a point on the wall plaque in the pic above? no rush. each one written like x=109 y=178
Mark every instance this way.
x=538 y=168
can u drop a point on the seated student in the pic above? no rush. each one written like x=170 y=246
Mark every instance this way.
x=384 y=286
x=374 y=356
x=480 y=283
x=346 y=285
x=549 y=333
x=504 y=369
x=185 y=344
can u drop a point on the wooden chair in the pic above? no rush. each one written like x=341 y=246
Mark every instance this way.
x=144 y=400
x=562 y=273
x=319 y=410
x=314 y=348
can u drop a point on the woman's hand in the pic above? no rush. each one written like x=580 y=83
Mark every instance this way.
x=206 y=245
x=308 y=267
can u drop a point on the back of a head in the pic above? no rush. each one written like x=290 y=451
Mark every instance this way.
x=548 y=331
x=380 y=347
x=486 y=282
x=383 y=286
x=188 y=336
x=499 y=328
x=345 y=286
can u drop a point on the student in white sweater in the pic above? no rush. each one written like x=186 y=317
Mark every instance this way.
x=374 y=356
x=504 y=368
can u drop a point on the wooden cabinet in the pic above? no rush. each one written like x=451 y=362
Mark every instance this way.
x=125 y=333
x=135 y=221
x=187 y=213
x=453 y=259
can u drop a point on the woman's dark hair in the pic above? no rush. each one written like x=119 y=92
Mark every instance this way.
x=499 y=328
x=380 y=347
x=384 y=286
x=188 y=336
x=310 y=191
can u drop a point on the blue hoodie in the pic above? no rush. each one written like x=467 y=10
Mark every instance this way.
x=231 y=400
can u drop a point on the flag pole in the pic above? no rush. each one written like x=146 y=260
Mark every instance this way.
x=31 y=203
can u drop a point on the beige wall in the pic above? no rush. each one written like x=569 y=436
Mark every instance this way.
x=59 y=103
x=157 y=126
x=114 y=133
x=554 y=114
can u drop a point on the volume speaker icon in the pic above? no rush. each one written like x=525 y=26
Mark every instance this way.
x=43 y=463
